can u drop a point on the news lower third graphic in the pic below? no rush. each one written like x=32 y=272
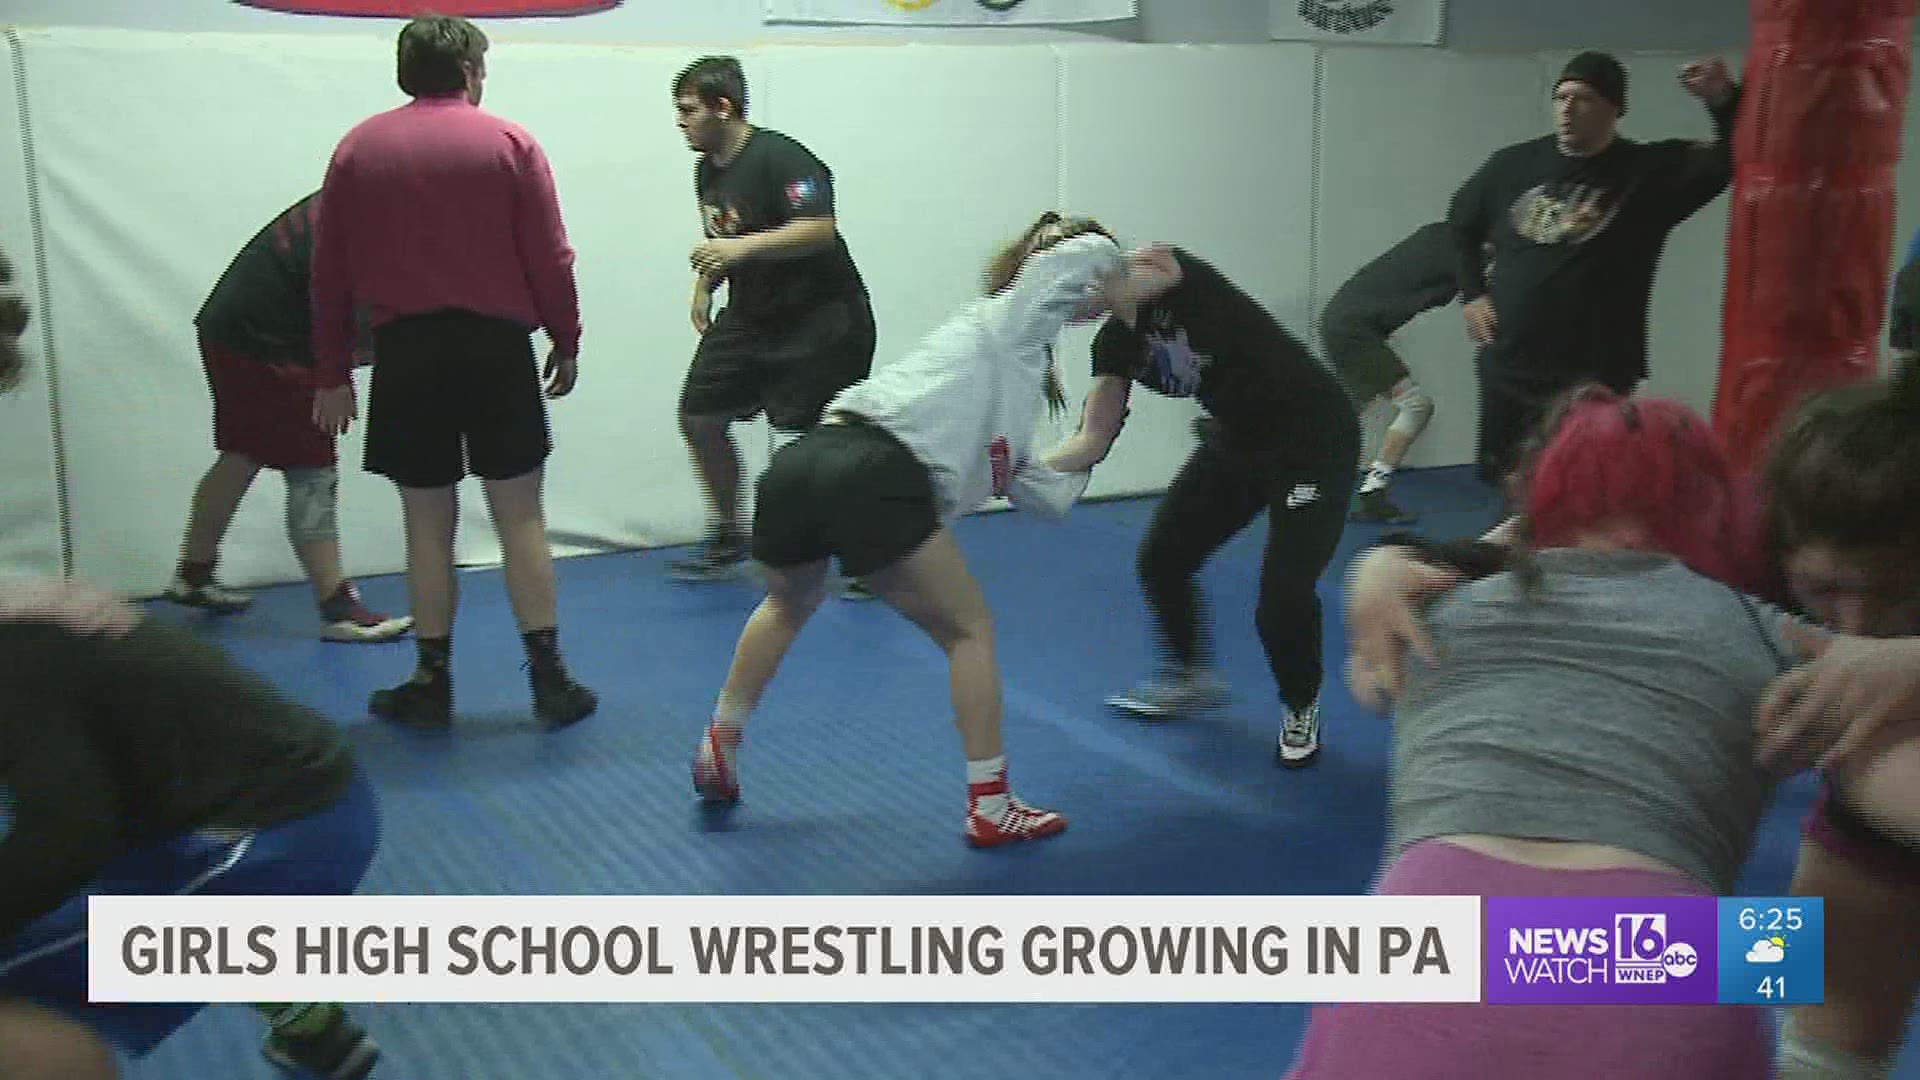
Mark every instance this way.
x=785 y=948
x=1755 y=951
x=1655 y=950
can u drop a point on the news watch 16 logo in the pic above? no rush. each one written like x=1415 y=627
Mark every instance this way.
x=1602 y=950
x=1644 y=954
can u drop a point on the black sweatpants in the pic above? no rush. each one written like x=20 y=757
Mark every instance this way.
x=1217 y=493
x=1516 y=395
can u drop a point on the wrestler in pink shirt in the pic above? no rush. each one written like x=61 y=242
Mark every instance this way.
x=408 y=217
x=440 y=224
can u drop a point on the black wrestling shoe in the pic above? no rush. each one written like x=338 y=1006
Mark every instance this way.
x=425 y=705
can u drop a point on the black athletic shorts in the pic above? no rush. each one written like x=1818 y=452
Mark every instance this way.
x=1362 y=353
x=787 y=365
x=455 y=393
x=847 y=489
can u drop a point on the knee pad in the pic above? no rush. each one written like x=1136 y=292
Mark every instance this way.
x=1799 y=1055
x=312 y=495
x=1413 y=408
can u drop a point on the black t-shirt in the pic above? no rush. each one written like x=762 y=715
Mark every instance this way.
x=1576 y=241
x=1206 y=339
x=108 y=745
x=772 y=181
x=1417 y=274
x=261 y=307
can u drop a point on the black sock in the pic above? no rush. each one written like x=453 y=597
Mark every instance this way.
x=543 y=650
x=434 y=656
x=196 y=574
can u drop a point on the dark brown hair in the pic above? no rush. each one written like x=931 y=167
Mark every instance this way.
x=711 y=78
x=435 y=52
x=1845 y=470
x=14 y=313
x=1005 y=266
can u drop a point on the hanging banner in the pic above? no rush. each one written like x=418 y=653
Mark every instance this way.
x=1360 y=22
x=949 y=12
x=407 y=9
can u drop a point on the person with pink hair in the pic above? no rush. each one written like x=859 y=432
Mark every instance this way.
x=1586 y=729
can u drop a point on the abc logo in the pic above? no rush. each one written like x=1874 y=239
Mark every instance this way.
x=1680 y=960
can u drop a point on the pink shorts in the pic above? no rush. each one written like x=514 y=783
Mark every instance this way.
x=1539 y=1042
x=1845 y=836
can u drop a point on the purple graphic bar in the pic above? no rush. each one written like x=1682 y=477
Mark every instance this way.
x=1604 y=950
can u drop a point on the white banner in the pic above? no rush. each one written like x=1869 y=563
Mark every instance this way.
x=950 y=12
x=1031 y=949
x=1361 y=22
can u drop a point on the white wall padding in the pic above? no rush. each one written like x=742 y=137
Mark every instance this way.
x=1400 y=131
x=29 y=506
x=1206 y=147
x=158 y=154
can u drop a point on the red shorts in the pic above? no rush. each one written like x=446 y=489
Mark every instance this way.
x=264 y=412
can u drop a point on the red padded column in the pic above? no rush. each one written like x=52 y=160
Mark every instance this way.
x=407 y=9
x=1811 y=228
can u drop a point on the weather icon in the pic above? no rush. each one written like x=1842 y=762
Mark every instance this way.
x=1767 y=951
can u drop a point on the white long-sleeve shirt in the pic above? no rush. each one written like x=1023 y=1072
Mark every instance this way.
x=966 y=401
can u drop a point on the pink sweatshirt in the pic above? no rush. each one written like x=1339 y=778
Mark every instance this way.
x=438 y=204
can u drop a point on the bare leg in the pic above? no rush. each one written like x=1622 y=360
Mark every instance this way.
x=933 y=589
x=793 y=595
x=39 y=1044
x=716 y=461
x=321 y=561
x=1873 y=930
x=1873 y=972
x=426 y=699
x=519 y=519
x=430 y=515
x=214 y=502
x=1393 y=449
x=215 y=499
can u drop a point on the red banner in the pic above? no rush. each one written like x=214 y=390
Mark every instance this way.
x=408 y=9
x=1810 y=232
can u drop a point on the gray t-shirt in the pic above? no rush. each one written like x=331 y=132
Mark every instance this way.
x=1614 y=706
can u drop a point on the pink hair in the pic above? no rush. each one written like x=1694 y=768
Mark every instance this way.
x=1650 y=463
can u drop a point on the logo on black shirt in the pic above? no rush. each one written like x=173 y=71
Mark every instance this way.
x=1175 y=368
x=1564 y=213
x=721 y=220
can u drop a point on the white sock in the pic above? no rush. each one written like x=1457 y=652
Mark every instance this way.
x=1506 y=534
x=1379 y=475
x=986 y=771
